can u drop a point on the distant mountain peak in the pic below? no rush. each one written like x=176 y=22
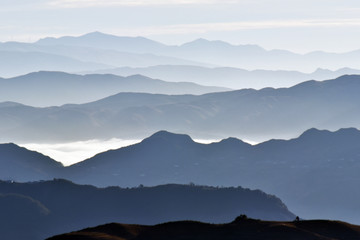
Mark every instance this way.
x=316 y=133
x=165 y=136
x=313 y=132
x=95 y=33
x=205 y=42
x=321 y=70
x=233 y=141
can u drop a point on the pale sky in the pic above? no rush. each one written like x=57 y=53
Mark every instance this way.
x=297 y=25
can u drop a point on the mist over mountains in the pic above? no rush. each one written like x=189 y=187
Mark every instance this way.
x=235 y=78
x=255 y=115
x=215 y=52
x=316 y=174
x=57 y=88
x=97 y=51
x=98 y=87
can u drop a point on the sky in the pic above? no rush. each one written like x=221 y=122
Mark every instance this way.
x=296 y=25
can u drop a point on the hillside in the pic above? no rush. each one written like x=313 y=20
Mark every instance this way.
x=239 y=229
x=20 y=164
x=315 y=174
x=61 y=206
x=305 y=172
x=57 y=88
x=255 y=115
x=22 y=217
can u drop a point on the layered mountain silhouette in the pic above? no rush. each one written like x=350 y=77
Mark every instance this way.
x=255 y=115
x=101 y=51
x=241 y=228
x=22 y=58
x=316 y=174
x=20 y=164
x=214 y=52
x=14 y=63
x=235 y=78
x=60 y=206
x=58 y=88
x=105 y=41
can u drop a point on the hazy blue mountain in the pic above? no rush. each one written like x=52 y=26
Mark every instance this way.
x=249 y=114
x=14 y=63
x=102 y=57
x=235 y=78
x=20 y=164
x=316 y=174
x=74 y=206
x=106 y=41
x=104 y=50
x=58 y=88
x=216 y=52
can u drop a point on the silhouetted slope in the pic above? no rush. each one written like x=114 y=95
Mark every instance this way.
x=22 y=217
x=58 y=88
x=75 y=206
x=247 y=114
x=315 y=174
x=248 y=229
x=20 y=164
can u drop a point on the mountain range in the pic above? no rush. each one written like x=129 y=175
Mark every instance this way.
x=69 y=89
x=23 y=58
x=15 y=63
x=316 y=174
x=57 y=88
x=103 y=51
x=43 y=209
x=255 y=115
x=235 y=78
x=214 y=52
x=241 y=228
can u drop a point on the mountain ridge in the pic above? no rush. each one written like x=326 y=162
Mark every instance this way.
x=303 y=171
x=222 y=54
x=71 y=206
x=58 y=88
x=255 y=115
x=235 y=78
x=240 y=228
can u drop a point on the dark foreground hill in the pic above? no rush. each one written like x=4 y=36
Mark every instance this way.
x=246 y=229
x=43 y=209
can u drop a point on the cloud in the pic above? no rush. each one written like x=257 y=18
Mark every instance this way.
x=114 y=3
x=235 y=26
x=73 y=152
